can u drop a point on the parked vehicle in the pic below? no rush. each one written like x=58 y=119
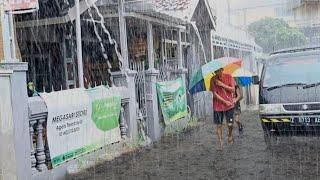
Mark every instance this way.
x=289 y=95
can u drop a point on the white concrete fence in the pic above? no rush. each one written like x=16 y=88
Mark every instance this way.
x=23 y=122
x=25 y=154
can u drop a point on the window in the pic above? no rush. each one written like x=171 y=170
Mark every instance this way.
x=303 y=70
x=283 y=12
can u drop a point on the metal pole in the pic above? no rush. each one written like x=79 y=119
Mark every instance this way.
x=79 y=45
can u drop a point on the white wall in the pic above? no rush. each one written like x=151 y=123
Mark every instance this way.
x=7 y=149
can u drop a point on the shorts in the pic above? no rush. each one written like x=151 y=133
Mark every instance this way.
x=237 y=107
x=218 y=116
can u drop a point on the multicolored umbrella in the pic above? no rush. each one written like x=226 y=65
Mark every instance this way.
x=243 y=77
x=201 y=80
x=231 y=64
x=197 y=82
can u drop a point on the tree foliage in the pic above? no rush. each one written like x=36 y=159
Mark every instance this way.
x=274 y=34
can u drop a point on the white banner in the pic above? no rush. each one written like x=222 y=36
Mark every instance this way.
x=80 y=121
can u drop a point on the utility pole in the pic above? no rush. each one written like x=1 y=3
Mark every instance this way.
x=79 y=45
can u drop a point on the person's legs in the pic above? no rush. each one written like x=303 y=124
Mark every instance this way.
x=219 y=136
x=230 y=120
x=218 y=118
x=237 y=116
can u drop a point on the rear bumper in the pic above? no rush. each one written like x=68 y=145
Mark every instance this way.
x=282 y=126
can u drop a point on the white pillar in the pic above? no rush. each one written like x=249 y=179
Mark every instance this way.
x=14 y=126
x=150 y=45
x=127 y=77
x=123 y=35
x=211 y=45
x=12 y=37
x=179 y=50
x=153 y=123
x=8 y=166
x=79 y=45
x=9 y=47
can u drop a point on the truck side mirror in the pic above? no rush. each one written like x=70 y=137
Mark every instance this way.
x=255 y=80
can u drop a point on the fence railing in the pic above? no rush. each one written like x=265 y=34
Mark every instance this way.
x=140 y=85
x=310 y=22
x=40 y=152
x=168 y=70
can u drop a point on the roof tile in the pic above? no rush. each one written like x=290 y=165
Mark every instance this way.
x=172 y=5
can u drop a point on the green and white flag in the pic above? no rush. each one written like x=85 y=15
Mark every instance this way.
x=173 y=100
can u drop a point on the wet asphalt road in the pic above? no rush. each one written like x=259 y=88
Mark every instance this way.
x=193 y=155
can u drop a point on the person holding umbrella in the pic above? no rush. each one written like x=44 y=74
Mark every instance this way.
x=223 y=88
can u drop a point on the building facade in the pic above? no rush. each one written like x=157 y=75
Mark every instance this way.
x=244 y=12
x=307 y=19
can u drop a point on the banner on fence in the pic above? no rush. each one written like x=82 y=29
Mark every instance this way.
x=80 y=121
x=173 y=99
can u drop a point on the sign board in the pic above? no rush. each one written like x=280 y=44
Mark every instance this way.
x=173 y=99
x=21 y=5
x=80 y=121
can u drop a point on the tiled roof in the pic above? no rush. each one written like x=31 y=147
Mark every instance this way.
x=172 y=5
x=180 y=10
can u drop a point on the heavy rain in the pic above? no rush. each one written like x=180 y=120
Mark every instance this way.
x=159 y=89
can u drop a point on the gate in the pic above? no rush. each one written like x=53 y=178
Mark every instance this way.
x=140 y=85
x=167 y=70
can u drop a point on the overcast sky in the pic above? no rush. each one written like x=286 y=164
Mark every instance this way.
x=221 y=9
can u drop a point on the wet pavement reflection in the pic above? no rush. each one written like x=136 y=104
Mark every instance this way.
x=193 y=155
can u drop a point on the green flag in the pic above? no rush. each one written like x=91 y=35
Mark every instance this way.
x=173 y=99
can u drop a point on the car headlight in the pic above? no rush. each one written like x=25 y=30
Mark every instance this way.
x=270 y=108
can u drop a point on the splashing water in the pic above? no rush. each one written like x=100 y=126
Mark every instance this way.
x=105 y=56
x=120 y=58
x=200 y=40
x=112 y=41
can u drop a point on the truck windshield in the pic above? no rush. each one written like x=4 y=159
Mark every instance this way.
x=292 y=71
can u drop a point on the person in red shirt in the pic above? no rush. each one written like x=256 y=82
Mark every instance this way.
x=223 y=89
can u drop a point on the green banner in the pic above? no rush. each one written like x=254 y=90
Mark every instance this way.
x=106 y=112
x=173 y=99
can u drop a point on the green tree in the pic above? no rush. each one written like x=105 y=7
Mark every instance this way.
x=274 y=34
